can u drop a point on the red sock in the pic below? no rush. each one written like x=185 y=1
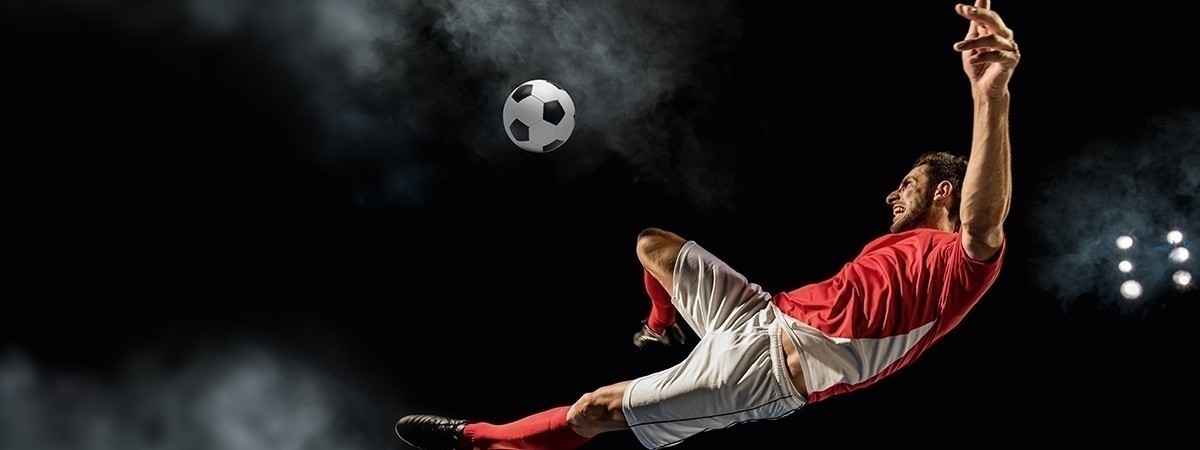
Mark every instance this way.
x=662 y=312
x=547 y=430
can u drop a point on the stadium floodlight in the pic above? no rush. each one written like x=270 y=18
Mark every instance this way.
x=1175 y=237
x=1124 y=242
x=1182 y=277
x=1178 y=254
x=1131 y=289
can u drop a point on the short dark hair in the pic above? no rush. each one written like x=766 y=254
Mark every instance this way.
x=945 y=167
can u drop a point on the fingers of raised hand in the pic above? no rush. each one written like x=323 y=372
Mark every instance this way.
x=983 y=16
x=1005 y=58
x=989 y=42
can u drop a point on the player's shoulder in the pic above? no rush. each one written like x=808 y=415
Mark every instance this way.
x=920 y=240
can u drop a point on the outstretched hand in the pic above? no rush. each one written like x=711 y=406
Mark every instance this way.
x=989 y=53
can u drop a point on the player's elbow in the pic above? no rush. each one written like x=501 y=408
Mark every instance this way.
x=982 y=243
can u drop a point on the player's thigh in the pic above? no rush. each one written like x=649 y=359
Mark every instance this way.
x=730 y=377
x=712 y=296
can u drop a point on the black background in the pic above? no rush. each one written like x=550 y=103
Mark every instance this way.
x=162 y=193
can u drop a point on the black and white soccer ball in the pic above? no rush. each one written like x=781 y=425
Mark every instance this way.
x=539 y=116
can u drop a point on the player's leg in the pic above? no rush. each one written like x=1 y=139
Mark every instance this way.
x=737 y=372
x=561 y=428
x=657 y=250
x=709 y=294
x=599 y=411
x=733 y=375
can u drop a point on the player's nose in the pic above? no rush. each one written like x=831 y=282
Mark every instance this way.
x=892 y=197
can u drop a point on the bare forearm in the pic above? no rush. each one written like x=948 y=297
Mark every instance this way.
x=987 y=187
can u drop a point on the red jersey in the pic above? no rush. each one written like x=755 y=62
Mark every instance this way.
x=902 y=293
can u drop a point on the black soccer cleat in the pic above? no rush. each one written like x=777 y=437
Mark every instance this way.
x=428 y=432
x=671 y=336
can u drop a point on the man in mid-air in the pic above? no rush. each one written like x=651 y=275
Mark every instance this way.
x=763 y=356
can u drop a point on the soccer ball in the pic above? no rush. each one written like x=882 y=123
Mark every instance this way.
x=539 y=116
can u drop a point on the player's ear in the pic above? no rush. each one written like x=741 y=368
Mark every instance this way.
x=943 y=191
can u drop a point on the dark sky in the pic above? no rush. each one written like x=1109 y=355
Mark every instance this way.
x=286 y=225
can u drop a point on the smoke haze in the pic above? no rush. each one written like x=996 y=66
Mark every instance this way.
x=1141 y=187
x=414 y=88
x=235 y=396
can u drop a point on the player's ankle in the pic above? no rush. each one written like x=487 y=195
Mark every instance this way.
x=658 y=327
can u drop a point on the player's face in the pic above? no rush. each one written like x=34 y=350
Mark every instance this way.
x=911 y=201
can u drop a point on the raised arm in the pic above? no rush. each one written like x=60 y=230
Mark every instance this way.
x=989 y=55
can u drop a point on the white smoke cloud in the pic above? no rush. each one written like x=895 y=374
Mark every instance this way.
x=417 y=86
x=1142 y=188
x=620 y=62
x=238 y=397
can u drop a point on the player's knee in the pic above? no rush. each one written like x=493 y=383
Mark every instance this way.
x=655 y=236
x=580 y=416
x=595 y=413
x=592 y=407
x=657 y=248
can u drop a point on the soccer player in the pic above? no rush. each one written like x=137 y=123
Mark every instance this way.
x=763 y=356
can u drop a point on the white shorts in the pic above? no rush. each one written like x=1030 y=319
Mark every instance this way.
x=736 y=373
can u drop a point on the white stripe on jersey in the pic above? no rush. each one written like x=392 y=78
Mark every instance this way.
x=830 y=361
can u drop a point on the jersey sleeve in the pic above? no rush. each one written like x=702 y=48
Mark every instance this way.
x=967 y=278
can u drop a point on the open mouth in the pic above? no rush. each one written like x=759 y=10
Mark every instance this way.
x=897 y=211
